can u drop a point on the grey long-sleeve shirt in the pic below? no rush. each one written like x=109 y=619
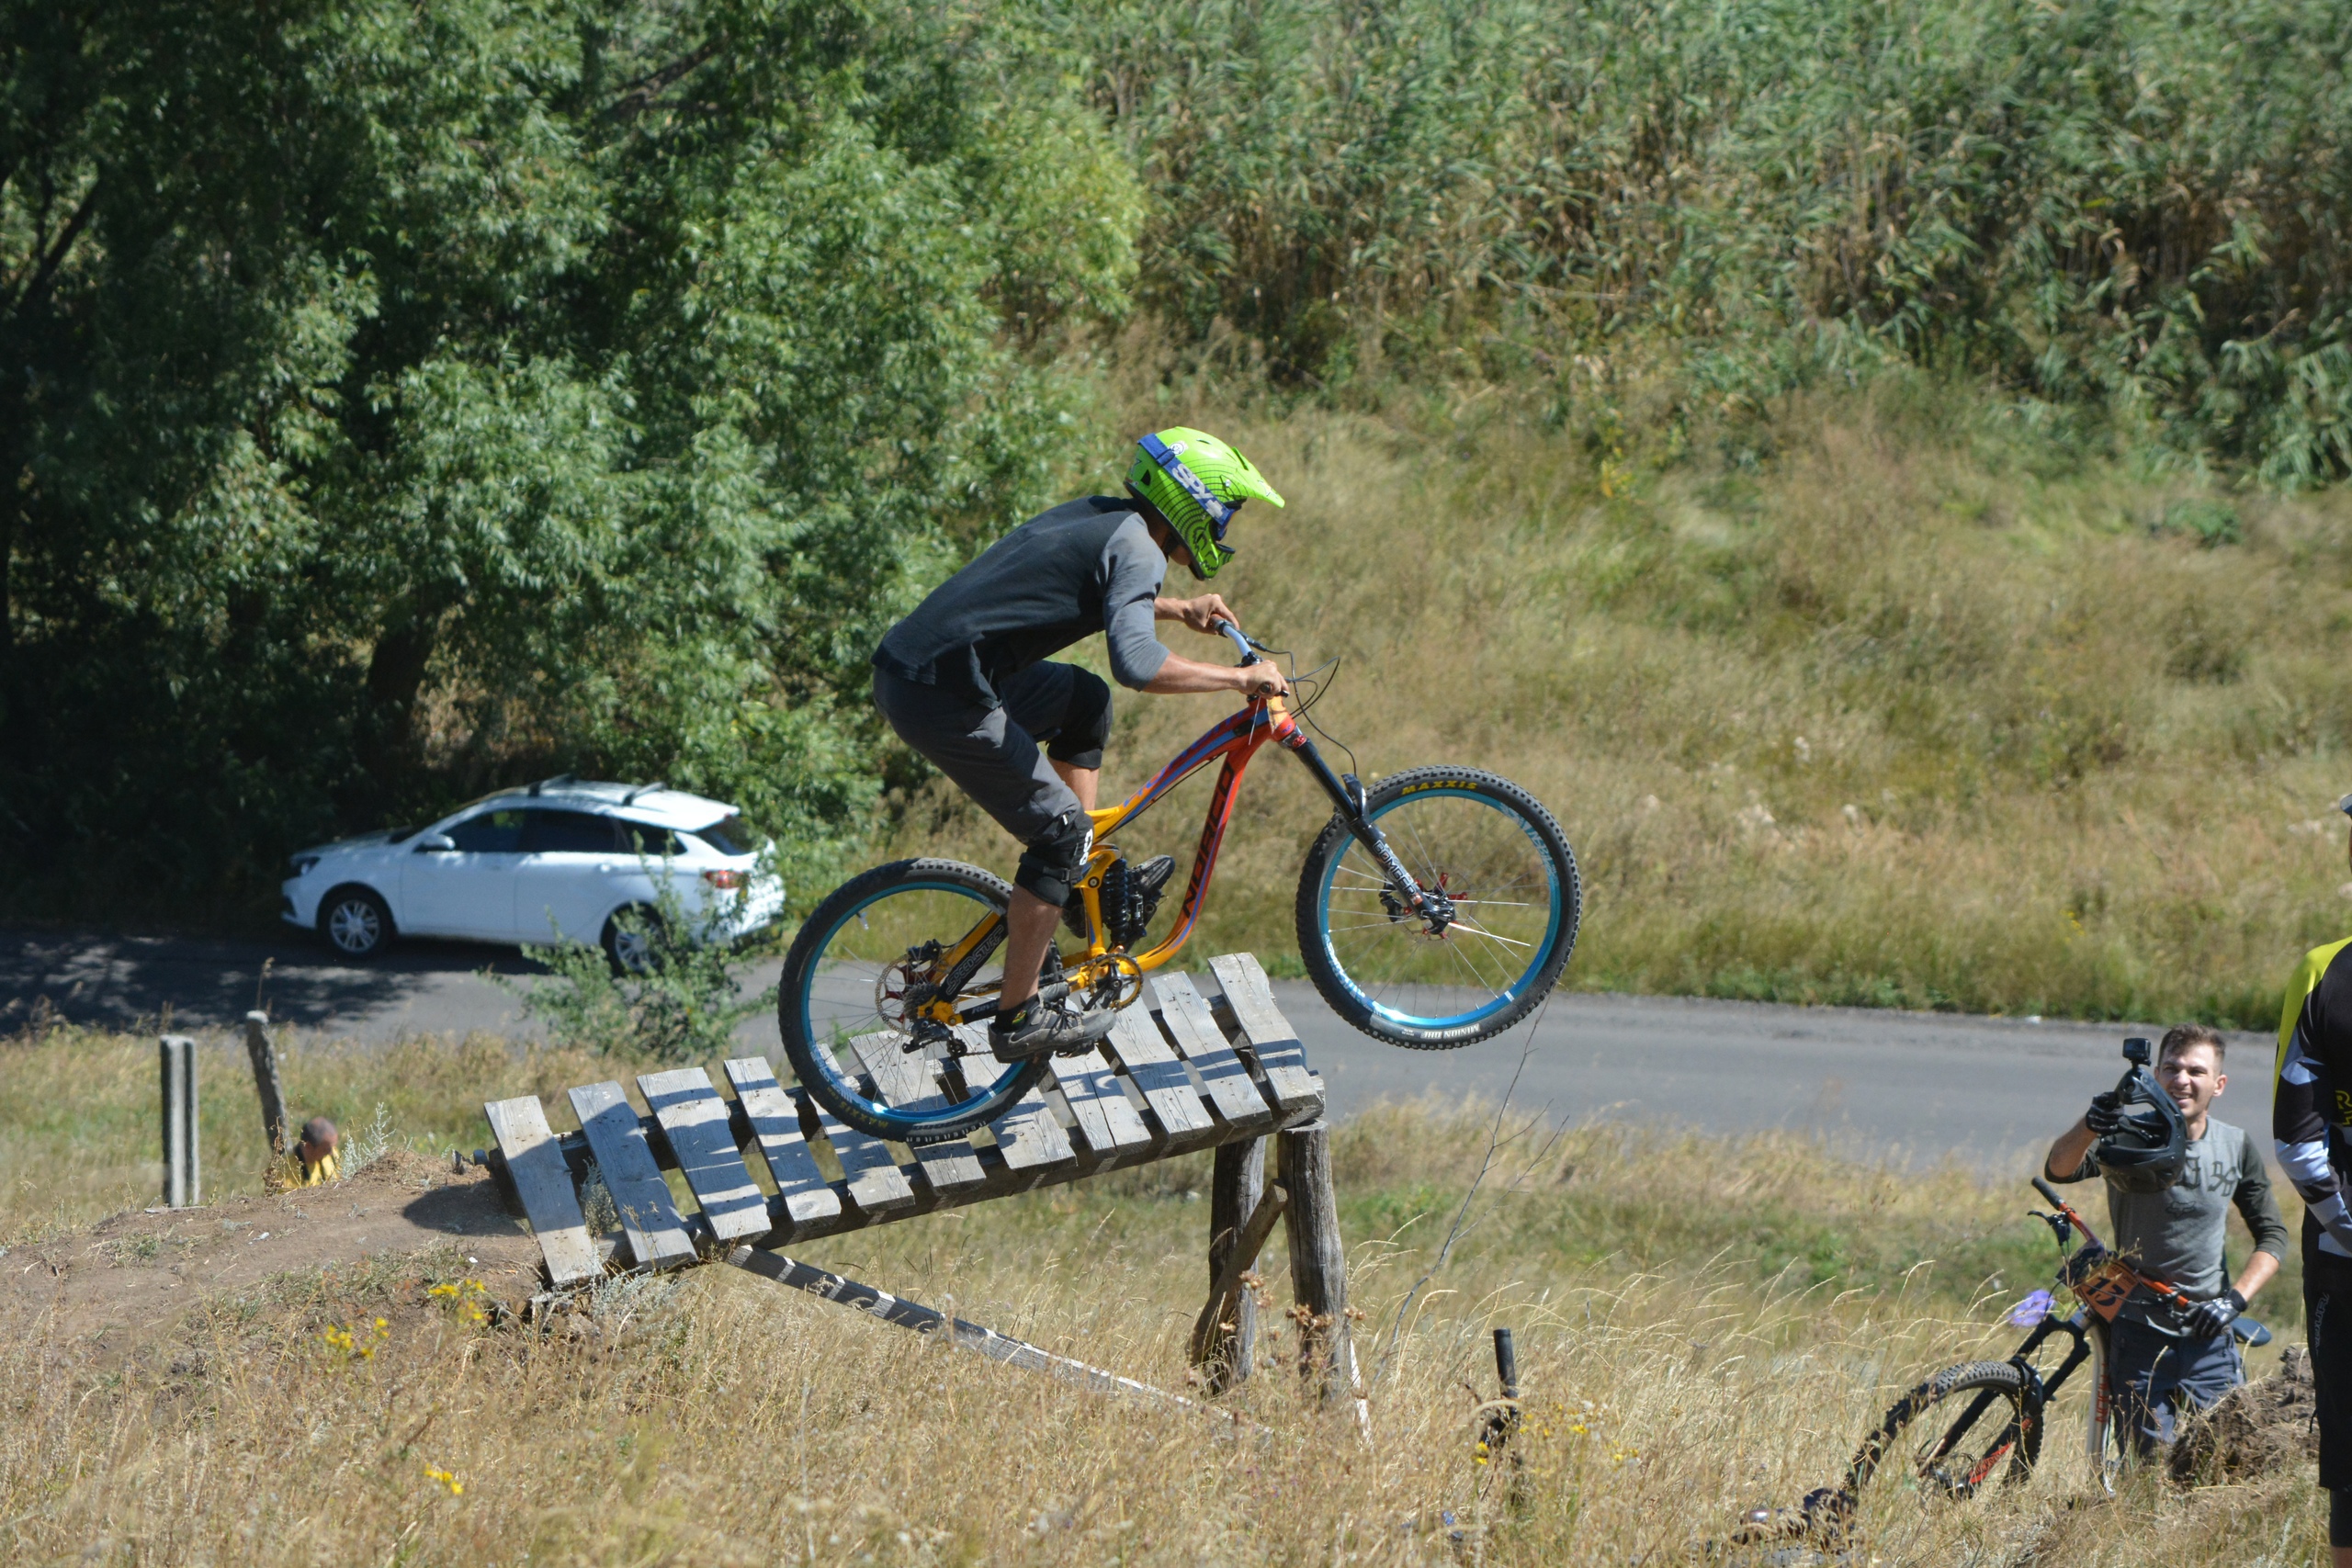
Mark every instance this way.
x=2177 y=1235
x=1086 y=566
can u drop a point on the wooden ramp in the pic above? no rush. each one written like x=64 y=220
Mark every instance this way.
x=1181 y=1071
x=1169 y=1079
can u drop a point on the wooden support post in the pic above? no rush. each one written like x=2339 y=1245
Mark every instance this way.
x=1212 y=1338
x=183 y=1178
x=1319 y=1264
x=1236 y=1191
x=265 y=1084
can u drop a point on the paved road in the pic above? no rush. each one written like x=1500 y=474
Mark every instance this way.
x=1916 y=1087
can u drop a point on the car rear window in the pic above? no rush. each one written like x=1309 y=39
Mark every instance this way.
x=728 y=836
x=490 y=833
x=570 y=832
x=645 y=839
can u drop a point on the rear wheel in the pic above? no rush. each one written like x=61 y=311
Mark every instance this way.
x=632 y=939
x=355 y=923
x=863 y=966
x=1504 y=868
x=1958 y=1431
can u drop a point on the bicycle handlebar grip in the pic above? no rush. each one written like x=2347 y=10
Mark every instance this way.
x=2048 y=1192
x=1248 y=654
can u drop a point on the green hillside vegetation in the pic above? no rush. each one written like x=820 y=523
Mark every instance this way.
x=398 y=400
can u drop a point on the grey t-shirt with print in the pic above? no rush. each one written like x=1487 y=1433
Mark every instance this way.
x=2177 y=1235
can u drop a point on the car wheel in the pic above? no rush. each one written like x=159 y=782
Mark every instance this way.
x=355 y=923
x=631 y=948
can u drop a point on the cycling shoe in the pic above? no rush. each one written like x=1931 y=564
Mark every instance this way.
x=1049 y=1029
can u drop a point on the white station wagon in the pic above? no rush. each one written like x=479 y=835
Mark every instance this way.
x=557 y=860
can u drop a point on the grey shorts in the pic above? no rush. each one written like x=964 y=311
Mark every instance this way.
x=993 y=754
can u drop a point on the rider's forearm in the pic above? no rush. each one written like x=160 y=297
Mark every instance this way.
x=2067 y=1154
x=2258 y=1272
x=1179 y=675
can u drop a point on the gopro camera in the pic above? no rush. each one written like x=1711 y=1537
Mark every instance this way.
x=2139 y=1049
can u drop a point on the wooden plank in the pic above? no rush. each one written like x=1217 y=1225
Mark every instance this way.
x=1027 y=1137
x=877 y=1184
x=1134 y=1042
x=542 y=1182
x=649 y=1222
x=800 y=1188
x=1107 y=1123
x=696 y=1122
x=1268 y=1034
x=908 y=1081
x=1233 y=1095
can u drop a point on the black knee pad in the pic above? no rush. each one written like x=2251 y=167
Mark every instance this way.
x=1050 y=865
x=2339 y=1519
x=1086 y=722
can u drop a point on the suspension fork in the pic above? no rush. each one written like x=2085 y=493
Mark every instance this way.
x=1347 y=795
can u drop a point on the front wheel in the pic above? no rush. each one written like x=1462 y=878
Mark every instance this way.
x=1504 y=869
x=849 y=1005
x=1964 y=1427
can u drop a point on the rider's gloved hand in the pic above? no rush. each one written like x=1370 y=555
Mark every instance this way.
x=2105 y=1115
x=2205 y=1319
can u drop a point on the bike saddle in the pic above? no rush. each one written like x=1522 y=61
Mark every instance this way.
x=2254 y=1335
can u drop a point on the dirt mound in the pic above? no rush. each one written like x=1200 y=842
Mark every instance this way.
x=137 y=1270
x=2253 y=1431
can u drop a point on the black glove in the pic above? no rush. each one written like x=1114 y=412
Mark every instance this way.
x=2106 y=1114
x=2205 y=1319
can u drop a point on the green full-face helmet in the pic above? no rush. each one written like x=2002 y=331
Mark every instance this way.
x=1197 y=482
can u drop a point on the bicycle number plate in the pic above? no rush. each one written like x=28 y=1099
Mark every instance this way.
x=2103 y=1292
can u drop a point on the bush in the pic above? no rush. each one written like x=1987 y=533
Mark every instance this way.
x=683 y=1006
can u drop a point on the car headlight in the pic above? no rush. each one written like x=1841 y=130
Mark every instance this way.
x=302 y=864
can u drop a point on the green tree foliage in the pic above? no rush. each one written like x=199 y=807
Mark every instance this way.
x=396 y=398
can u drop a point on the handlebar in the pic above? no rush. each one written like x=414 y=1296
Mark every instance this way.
x=1249 y=653
x=2049 y=1193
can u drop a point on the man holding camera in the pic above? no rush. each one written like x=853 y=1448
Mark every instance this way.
x=2163 y=1354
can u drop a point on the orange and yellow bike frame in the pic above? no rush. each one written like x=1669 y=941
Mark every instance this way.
x=1235 y=741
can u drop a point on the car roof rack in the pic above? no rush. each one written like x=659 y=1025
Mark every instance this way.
x=631 y=799
x=559 y=779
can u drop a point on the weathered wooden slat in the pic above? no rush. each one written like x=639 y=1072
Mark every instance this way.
x=1134 y=1041
x=542 y=1181
x=649 y=1221
x=1233 y=1094
x=906 y=1082
x=1028 y=1137
x=1107 y=1123
x=1269 y=1036
x=696 y=1124
x=801 y=1190
x=877 y=1184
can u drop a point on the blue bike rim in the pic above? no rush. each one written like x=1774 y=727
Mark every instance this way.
x=821 y=1050
x=1510 y=994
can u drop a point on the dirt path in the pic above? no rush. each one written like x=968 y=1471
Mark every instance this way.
x=137 y=1272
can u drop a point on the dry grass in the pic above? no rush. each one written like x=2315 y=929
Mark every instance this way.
x=1898 y=720
x=1704 y=1326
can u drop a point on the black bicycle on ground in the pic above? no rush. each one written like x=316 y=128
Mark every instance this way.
x=1981 y=1422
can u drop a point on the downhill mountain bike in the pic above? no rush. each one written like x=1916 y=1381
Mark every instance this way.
x=1981 y=1422
x=1433 y=910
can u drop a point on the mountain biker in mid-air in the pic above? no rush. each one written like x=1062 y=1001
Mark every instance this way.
x=964 y=680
